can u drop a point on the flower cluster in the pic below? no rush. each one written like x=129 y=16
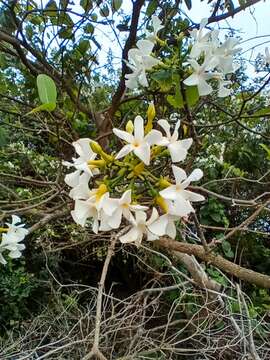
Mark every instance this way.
x=12 y=237
x=211 y=59
x=140 y=58
x=119 y=181
x=208 y=59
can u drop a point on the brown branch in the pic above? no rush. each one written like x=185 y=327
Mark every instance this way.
x=95 y=352
x=232 y=12
x=227 y=266
x=137 y=5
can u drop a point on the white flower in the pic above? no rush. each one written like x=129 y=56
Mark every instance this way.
x=85 y=209
x=140 y=226
x=80 y=189
x=157 y=26
x=83 y=149
x=199 y=76
x=117 y=208
x=12 y=238
x=177 y=148
x=165 y=224
x=92 y=208
x=177 y=192
x=222 y=56
x=201 y=40
x=138 y=143
x=140 y=60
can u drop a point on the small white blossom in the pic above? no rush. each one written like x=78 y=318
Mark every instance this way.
x=222 y=57
x=83 y=149
x=156 y=27
x=117 y=208
x=178 y=192
x=202 y=43
x=138 y=143
x=140 y=60
x=140 y=227
x=92 y=208
x=200 y=76
x=12 y=238
x=177 y=148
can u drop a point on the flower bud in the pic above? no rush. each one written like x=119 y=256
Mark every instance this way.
x=96 y=163
x=138 y=169
x=164 y=183
x=102 y=189
x=96 y=147
x=129 y=127
x=160 y=201
x=151 y=113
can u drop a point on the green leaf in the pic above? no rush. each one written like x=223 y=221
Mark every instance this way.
x=176 y=100
x=86 y=5
x=188 y=4
x=267 y=149
x=51 y=9
x=226 y=247
x=65 y=33
x=265 y=111
x=192 y=95
x=116 y=4
x=3 y=137
x=164 y=79
x=83 y=46
x=151 y=8
x=44 y=107
x=46 y=89
x=216 y=217
x=89 y=29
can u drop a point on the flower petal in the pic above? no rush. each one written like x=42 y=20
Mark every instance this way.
x=123 y=135
x=192 y=80
x=82 y=147
x=175 y=132
x=108 y=205
x=124 y=151
x=191 y=196
x=143 y=153
x=171 y=229
x=131 y=236
x=72 y=179
x=115 y=220
x=165 y=126
x=179 y=174
x=153 y=137
x=177 y=152
x=158 y=227
x=204 y=88
x=81 y=212
x=138 y=128
x=145 y=46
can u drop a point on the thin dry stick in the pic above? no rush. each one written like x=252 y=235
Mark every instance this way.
x=200 y=232
x=95 y=348
x=248 y=220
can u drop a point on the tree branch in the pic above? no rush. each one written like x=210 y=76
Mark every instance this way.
x=227 y=266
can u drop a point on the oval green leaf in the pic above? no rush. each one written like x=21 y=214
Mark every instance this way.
x=46 y=89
